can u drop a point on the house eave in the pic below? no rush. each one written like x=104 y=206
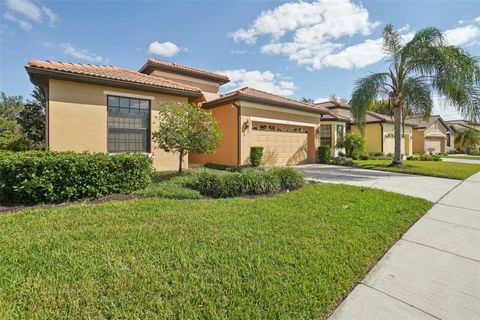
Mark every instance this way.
x=39 y=73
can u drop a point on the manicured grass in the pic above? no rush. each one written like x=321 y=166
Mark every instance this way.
x=452 y=170
x=295 y=255
x=464 y=157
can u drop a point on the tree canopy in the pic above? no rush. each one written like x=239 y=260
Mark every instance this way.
x=185 y=128
x=419 y=69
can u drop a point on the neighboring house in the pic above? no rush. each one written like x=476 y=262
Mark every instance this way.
x=378 y=131
x=462 y=125
x=111 y=109
x=431 y=135
x=286 y=128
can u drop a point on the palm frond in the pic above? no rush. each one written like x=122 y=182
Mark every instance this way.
x=366 y=91
x=392 y=42
x=418 y=97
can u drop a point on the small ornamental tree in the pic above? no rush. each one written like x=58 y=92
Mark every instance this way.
x=185 y=128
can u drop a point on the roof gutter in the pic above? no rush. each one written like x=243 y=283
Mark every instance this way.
x=61 y=75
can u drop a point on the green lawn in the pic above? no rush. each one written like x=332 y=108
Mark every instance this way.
x=453 y=170
x=464 y=157
x=295 y=255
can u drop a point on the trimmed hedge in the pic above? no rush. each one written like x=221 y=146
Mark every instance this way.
x=46 y=176
x=223 y=184
x=324 y=154
x=256 y=155
x=425 y=157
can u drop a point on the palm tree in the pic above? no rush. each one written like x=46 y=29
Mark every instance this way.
x=419 y=68
x=468 y=137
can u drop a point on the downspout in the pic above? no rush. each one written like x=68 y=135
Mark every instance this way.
x=381 y=137
x=239 y=132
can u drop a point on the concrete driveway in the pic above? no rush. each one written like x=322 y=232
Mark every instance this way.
x=429 y=188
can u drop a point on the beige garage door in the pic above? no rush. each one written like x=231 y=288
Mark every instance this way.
x=433 y=145
x=283 y=144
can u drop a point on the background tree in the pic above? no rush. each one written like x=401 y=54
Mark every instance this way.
x=185 y=128
x=419 y=68
x=11 y=137
x=32 y=119
x=307 y=100
x=333 y=97
x=467 y=138
x=10 y=106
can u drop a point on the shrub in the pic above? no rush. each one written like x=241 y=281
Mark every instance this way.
x=376 y=154
x=45 y=176
x=343 y=161
x=324 y=153
x=256 y=154
x=425 y=157
x=251 y=181
x=354 y=144
x=364 y=157
x=169 y=190
x=290 y=179
x=473 y=151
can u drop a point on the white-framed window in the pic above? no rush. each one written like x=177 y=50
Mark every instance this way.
x=128 y=124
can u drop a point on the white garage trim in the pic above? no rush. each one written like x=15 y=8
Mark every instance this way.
x=292 y=123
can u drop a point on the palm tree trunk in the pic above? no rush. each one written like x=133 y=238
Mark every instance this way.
x=397 y=117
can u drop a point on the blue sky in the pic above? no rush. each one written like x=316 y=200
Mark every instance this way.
x=299 y=49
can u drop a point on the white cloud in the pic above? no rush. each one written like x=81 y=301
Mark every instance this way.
x=330 y=19
x=26 y=8
x=464 y=35
x=444 y=109
x=307 y=32
x=238 y=51
x=318 y=100
x=165 y=49
x=29 y=11
x=52 y=16
x=477 y=19
x=81 y=54
x=356 y=56
x=266 y=81
x=25 y=25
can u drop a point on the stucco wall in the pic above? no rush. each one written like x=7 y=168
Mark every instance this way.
x=373 y=137
x=227 y=153
x=418 y=140
x=77 y=118
x=209 y=88
x=249 y=109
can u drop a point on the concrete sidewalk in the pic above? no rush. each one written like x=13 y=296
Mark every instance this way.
x=433 y=272
x=473 y=161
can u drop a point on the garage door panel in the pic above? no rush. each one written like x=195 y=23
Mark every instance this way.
x=281 y=147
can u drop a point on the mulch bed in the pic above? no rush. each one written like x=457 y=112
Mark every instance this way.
x=112 y=197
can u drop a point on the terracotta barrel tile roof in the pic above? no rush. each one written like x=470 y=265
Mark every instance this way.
x=265 y=97
x=180 y=68
x=112 y=73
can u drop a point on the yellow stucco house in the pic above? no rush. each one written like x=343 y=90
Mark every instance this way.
x=431 y=135
x=111 y=109
x=379 y=128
